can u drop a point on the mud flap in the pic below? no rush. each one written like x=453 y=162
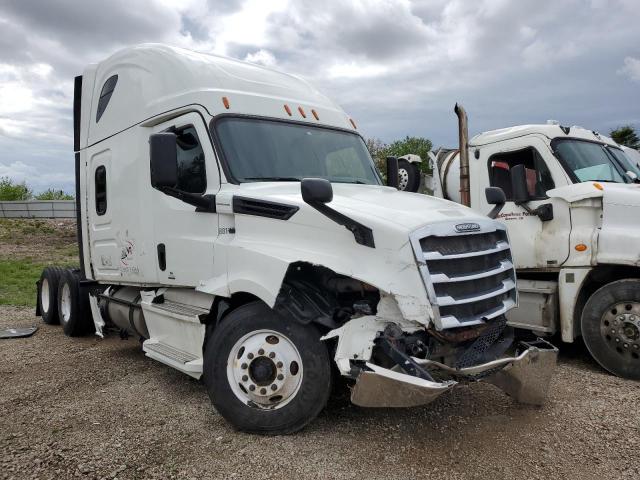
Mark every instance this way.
x=380 y=387
x=527 y=380
x=18 y=332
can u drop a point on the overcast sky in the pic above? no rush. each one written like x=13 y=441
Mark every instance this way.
x=396 y=66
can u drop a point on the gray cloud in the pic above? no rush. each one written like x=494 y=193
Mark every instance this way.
x=396 y=66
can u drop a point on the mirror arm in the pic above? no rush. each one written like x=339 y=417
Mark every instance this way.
x=544 y=212
x=495 y=211
x=204 y=203
x=362 y=234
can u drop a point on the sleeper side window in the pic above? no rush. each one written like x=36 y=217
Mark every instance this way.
x=192 y=176
x=101 y=190
x=105 y=95
x=539 y=178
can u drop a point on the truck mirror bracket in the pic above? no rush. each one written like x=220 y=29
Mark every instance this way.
x=203 y=203
x=316 y=192
x=543 y=212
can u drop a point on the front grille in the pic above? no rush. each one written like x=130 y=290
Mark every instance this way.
x=471 y=277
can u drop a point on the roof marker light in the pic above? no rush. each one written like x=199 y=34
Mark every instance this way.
x=225 y=102
x=287 y=109
x=598 y=186
x=353 y=123
x=315 y=114
x=304 y=115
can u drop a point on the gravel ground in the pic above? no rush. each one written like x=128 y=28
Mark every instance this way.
x=91 y=408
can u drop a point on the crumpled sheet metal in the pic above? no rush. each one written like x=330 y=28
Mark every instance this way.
x=525 y=377
x=381 y=387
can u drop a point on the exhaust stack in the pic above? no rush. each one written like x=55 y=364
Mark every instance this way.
x=463 y=141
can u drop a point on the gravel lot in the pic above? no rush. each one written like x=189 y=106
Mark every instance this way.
x=91 y=408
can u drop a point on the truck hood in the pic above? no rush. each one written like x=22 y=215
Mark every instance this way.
x=620 y=229
x=368 y=202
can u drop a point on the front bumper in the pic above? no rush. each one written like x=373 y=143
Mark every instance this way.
x=525 y=376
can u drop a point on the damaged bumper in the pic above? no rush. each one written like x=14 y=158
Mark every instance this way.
x=525 y=376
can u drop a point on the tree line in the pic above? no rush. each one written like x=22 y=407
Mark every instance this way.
x=12 y=190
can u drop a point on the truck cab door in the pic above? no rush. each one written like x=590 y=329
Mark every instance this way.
x=183 y=236
x=535 y=244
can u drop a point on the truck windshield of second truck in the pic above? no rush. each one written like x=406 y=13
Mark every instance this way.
x=591 y=161
x=265 y=150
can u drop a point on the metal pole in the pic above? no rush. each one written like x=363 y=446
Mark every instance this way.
x=463 y=142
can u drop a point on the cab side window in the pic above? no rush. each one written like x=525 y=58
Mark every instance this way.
x=539 y=178
x=192 y=176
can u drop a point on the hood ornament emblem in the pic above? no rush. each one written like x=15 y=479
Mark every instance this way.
x=467 y=227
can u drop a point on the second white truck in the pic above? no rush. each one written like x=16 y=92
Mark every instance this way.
x=572 y=210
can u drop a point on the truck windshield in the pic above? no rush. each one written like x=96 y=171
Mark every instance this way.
x=624 y=161
x=258 y=150
x=587 y=161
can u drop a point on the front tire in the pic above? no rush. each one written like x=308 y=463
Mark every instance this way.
x=266 y=374
x=611 y=327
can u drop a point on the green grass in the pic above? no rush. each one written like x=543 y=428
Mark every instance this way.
x=18 y=286
x=19 y=277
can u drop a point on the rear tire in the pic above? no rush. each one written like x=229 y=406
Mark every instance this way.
x=610 y=327
x=73 y=306
x=266 y=374
x=408 y=176
x=48 y=294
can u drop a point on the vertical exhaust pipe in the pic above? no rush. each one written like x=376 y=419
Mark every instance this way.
x=463 y=142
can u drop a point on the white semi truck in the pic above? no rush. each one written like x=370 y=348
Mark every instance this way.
x=231 y=218
x=572 y=210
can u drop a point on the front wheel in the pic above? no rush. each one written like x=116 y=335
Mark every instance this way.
x=611 y=327
x=266 y=374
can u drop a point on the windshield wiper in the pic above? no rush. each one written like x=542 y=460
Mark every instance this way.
x=274 y=179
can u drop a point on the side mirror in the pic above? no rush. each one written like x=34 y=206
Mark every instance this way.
x=519 y=184
x=316 y=190
x=392 y=172
x=163 y=154
x=495 y=196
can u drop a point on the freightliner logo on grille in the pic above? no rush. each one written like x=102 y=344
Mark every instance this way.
x=467 y=227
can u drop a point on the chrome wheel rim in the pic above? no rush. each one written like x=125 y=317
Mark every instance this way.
x=403 y=178
x=44 y=296
x=264 y=369
x=65 y=303
x=620 y=329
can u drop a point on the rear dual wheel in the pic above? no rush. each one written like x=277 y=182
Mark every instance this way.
x=73 y=305
x=266 y=374
x=48 y=294
x=611 y=327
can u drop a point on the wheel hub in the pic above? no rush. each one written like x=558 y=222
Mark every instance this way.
x=403 y=178
x=65 y=303
x=44 y=295
x=620 y=327
x=264 y=369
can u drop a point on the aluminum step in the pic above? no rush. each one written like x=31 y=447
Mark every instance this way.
x=168 y=351
x=180 y=309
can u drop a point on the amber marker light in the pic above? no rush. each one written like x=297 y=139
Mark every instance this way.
x=581 y=247
x=287 y=109
x=315 y=114
x=353 y=123
x=598 y=186
x=304 y=115
x=225 y=102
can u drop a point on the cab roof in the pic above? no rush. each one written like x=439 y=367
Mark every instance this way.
x=550 y=131
x=153 y=79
